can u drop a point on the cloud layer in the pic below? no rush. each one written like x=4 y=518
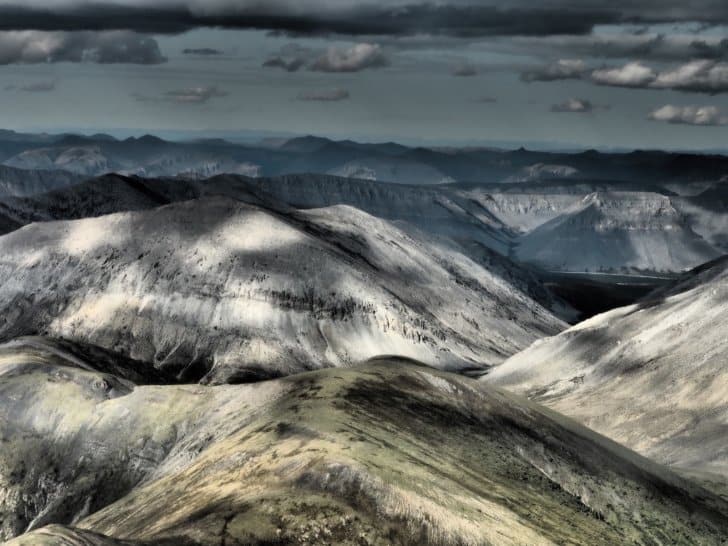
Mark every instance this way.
x=353 y=59
x=358 y=57
x=563 y=69
x=700 y=76
x=458 y=18
x=689 y=115
x=32 y=47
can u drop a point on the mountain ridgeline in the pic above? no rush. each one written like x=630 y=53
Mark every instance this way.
x=307 y=342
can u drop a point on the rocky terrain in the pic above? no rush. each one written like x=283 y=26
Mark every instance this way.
x=23 y=183
x=233 y=291
x=387 y=453
x=205 y=348
x=651 y=376
x=617 y=232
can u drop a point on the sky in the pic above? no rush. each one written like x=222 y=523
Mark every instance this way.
x=561 y=73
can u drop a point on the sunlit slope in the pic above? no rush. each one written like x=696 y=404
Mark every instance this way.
x=223 y=290
x=386 y=453
x=652 y=376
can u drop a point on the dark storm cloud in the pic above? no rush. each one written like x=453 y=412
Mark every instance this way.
x=392 y=17
x=32 y=47
x=457 y=19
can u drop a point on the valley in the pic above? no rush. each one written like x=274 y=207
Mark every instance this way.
x=272 y=357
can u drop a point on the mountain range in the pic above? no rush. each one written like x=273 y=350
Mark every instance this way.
x=207 y=343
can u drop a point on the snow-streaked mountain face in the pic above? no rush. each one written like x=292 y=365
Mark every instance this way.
x=707 y=213
x=524 y=212
x=386 y=453
x=230 y=291
x=83 y=160
x=555 y=227
x=617 y=232
x=652 y=376
x=23 y=183
x=435 y=210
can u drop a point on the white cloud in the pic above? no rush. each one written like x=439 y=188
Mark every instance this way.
x=634 y=74
x=34 y=47
x=689 y=115
x=563 y=69
x=356 y=58
x=699 y=76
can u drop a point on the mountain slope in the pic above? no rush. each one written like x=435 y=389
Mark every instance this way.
x=23 y=183
x=652 y=376
x=232 y=291
x=392 y=170
x=387 y=453
x=435 y=210
x=707 y=213
x=617 y=232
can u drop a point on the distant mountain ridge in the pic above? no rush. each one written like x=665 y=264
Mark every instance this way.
x=100 y=154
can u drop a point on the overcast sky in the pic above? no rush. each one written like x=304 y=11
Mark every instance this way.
x=642 y=73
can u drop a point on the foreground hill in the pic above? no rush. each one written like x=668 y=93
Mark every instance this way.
x=224 y=290
x=652 y=376
x=617 y=232
x=386 y=453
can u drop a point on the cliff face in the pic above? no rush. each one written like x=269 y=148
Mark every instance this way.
x=617 y=232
